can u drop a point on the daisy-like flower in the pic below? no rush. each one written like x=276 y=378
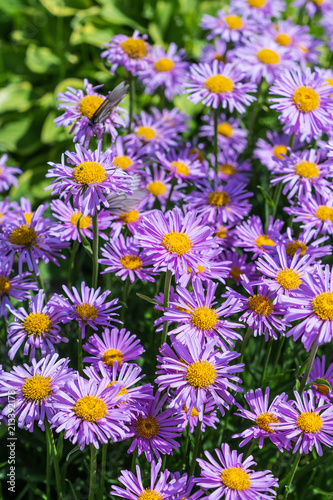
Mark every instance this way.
x=224 y=235
x=318 y=371
x=230 y=134
x=281 y=274
x=313 y=6
x=301 y=173
x=152 y=133
x=205 y=417
x=274 y=148
x=91 y=179
x=160 y=488
x=35 y=386
x=132 y=52
x=239 y=266
x=127 y=157
x=198 y=317
x=327 y=23
x=267 y=8
x=7 y=174
x=304 y=101
x=166 y=69
x=230 y=26
x=89 y=308
x=88 y=412
x=17 y=287
x=8 y=212
x=197 y=373
x=235 y=478
x=126 y=259
x=312 y=307
x=186 y=492
x=230 y=167
x=306 y=246
x=219 y=84
x=38 y=329
x=306 y=423
x=79 y=108
x=314 y=213
x=251 y=236
x=216 y=269
x=158 y=185
x=214 y=52
x=69 y=217
x=173 y=119
x=115 y=345
x=183 y=165
x=175 y=241
x=261 y=312
x=154 y=431
x=262 y=414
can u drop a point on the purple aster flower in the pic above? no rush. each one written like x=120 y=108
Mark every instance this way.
x=79 y=108
x=205 y=417
x=251 y=236
x=304 y=243
x=91 y=179
x=315 y=213
x=88 y=412
x=38 y=329
x=183 y=165
x=306 y=423
x=262 y=414
x=17 y=287
x=276 y=147
x=231 y=167
x=161 y=488
x=158 y=184
x=126 y=259
x=230 y=134
x=197 y=373
x=304 y=101
x=267 y=8
x=7 y=174
x=215 y=269
x=312 y=307
x=198 y=317
x=216 y=51
x=230 y=26
x=175 y=241
x=219 y=84
x=35 y=386
x=8 y=212
x=186 y=491
x=173 y=119
x=238 y=266
x=166 y=69
x=235 y=478
x=318 y=371
x=115 y=345
x=132 y=52
x=224 y=235
x=314 y=6
x=327 y=23
x=152 y=133
x=89 y=308
x=127 y=157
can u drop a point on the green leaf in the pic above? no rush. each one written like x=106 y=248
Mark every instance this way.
x=266 y=196
x=12 y=132
x=148 y=299
x=85 y=242
x=41 y=59
x=16 y=97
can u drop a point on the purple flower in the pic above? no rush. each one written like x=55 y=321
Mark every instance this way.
x=230 y=26
x=276 y=147
x=231 y=167
x=158 y=184
x=260 y=8
x=215 y=269
x=182 y=165
x=322 y=6
x=217 y=52
x=132 y=52
x=315 y=213
x=230 y=134
x=327 y=23
x=306 y=246
x=17 y=287
x=235 y=479
x=7 y=177
x=219 y=84
x=318 y=372
x=127 y=157
x=251 y=236
x=238 y=266
x=205 y=416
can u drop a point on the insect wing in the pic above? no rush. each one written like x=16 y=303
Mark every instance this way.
x=110 y=102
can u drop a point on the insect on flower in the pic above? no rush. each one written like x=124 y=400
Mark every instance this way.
x=109 y=104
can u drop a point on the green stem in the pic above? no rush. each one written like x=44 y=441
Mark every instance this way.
x=246 y=339
x=276 y=198
x=79 y=352
x=125 y=296
x=196 y=448
x=38 y=277
x=166 y=296
x=254 y=112
x=71 y=265
x=95 y=251
x=134 y=457
x=267 y=356
x=48 y=462
x=312 y=356
x=173 y=183
x=291 y=475
x=104 y=455
x=251 y=448
x=92 y=480
x=131 y=98
x=216 y=116
x=291 y=142
x=278 y=354
x=54 y=455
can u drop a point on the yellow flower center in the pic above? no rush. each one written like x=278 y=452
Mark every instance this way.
x=86 y=311
x=330 y=81
x=221 y=233
x=235 y=273
x=219 y=84
x=175 y=242
x=131 y=261
x=261 y=304
x=24 y=235
x=225 y=129
x=324 y=213
x=129 y=217
x=112 y=355
x=36 y=388
x=227 y=169
x=156 y=188
x=280 y=150
x=164 y=64
x=306 y=99
x=263 y=239
x=135 y=48
x=147 y=427
x=197 y=152
x=180 y=168
x=310 y=422
x=218 y=57
x=122 y=391
x=146 y=133
x=4 y=285
x=268 y=56
x=89 y=172
x=307 y=169
x=90 y=408
x=150 y=495
x=322 y=306
x=194 y=412
x=283 y=39
x=201 y=374
x=85 y=220
x=236 y=479
x=218 y=198
x=234 y=22
x=256 y=3
x=36 y=324
x=288 y=279
x=318 y=2
x=28 y=217
x=89 y=105
x=293 y=246
x=266 y=418
x=204 y=318
x=122 y=162
x=323 y=389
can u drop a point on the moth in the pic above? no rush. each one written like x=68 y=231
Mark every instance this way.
x=109 y=104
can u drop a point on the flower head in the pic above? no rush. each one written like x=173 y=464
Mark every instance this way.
x=132 y=52
x=7 y=174
x=318 y=372
x=16 y=287
x=230 y=134
x=251 y=236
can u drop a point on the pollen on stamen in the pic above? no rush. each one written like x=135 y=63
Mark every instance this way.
x=112 y=355
x=89 y=172
x=219 y=84
x=225 y=129
x=36 y=324
x=293 y=246
x=90 y=408
x=4 y=285
x=86 y=311
x=310 y=422
x=145 y=133
x=324 y=213
x=131 y=261
x=322 y=306
x=150 y=495
x=261 y=304
x=264 y=419
x=204 y=318
x=135 y=48
x=263 y=239
x=176 y=242
x=156 y=188
x=147 y=427
x=85 y=221
x=288 y=279
x=307 y=169
x=164 y=65
x=128 y=217
x=180 y=167
x=234 y=22
x=268 y=56
x=306 y=99
x=89 y=105
x=122 y=162
x=218 y=198
x=36 y=388
x=236 y=479
x=24 y=235
x=201 y=374
x=280 y=150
